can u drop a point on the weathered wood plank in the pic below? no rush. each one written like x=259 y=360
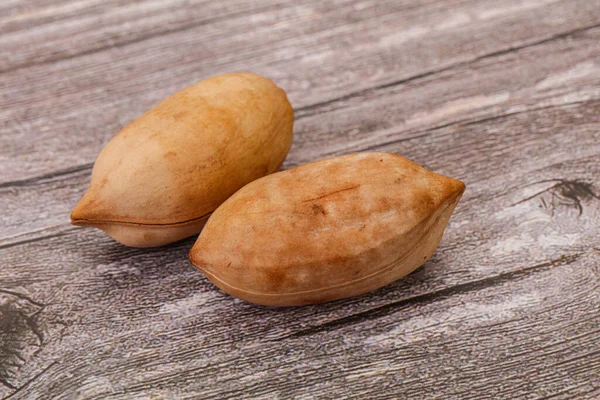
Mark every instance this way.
x=442 y=344
x=486 y=248
x=63 y=31
x=468 y=94
x=422 y=110
x=85 y=100
x=504 y=96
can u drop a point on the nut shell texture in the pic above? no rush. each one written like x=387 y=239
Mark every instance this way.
x=326 y=230
x=158 y=180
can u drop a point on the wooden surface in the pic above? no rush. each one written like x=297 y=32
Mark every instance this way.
x=502 y=95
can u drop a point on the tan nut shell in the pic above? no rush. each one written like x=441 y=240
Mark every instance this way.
x=327 y=230
x=158 y=180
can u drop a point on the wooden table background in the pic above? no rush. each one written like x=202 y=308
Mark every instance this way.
x=504 y=95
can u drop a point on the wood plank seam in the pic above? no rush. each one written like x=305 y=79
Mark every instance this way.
x=37 y=239
x=67 y=172
x=300 y=114
x=442 y=293
x=46 y=177
x=427 y=74
x=466 y=122
x=30 y=381
x=180 y=28
x=421 y=133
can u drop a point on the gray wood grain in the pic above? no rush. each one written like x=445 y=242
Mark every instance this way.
x=504 y=96
x=317 y=55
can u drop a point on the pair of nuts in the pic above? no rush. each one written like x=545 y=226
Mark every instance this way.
x=322 y=231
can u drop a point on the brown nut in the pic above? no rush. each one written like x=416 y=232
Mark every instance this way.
x=158 y=180
x=326 y=230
